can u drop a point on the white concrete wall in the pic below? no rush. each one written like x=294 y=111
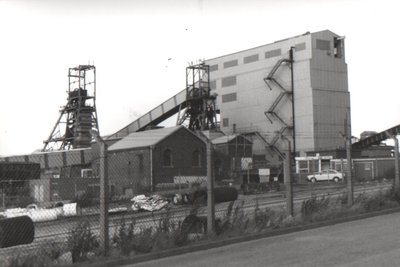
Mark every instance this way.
x=317 y=112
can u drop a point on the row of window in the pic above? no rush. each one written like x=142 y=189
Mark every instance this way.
x=168 y=158
x=255 y=57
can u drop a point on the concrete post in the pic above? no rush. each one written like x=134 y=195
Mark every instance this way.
x=349 y=162
x=288 y=181
x=104 y=230
x=210 y=192
x=396 y=165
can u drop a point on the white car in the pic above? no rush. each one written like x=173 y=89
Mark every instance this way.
x=328 y=175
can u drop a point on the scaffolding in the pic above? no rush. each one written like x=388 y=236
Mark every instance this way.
x=78 y=118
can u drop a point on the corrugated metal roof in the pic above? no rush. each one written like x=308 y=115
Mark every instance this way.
x=143 y=138
x=223 y=139
x=226 y=139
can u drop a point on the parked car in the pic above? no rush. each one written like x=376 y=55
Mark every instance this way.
x=328 y=175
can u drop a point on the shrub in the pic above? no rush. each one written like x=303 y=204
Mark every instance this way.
x=124 y=237
x=235 y=222
x=168 y=233
x=269 y=219
x=314 y=207
x=143 y=240
x=44 y=256
x=81 y=241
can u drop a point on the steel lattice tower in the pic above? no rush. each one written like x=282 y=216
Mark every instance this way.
x=78 y=118
x=201 y=110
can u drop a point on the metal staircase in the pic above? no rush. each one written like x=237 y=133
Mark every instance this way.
x=271 y=112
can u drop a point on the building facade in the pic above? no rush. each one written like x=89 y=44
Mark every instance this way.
x=255 y=94
x=145 y=161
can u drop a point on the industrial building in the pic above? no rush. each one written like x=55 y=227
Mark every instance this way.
x=253 y=105
x=143 y=161
x=292 y=87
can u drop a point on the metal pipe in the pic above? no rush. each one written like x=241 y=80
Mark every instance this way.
x=293 y=110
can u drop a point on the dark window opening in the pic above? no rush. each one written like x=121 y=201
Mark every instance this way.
x=140 y=159
x=225 y=122
x=196 y=159
x=167 y=158
x=338 y=47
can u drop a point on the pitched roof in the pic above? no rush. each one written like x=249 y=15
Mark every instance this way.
x=143 y=138
x=226 y=139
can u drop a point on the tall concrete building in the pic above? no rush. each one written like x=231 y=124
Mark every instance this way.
x=259 y=89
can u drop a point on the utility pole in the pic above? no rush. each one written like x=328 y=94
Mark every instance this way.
x=210 y=192
x=104 y=231
x=288 y=180
x=396 y=165
x=349 y=159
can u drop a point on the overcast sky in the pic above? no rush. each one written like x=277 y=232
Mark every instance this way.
x=130 y=43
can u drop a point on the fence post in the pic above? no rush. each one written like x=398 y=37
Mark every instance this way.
x=396 y=165
x=104 y=230
x=288 y=181
x=210 y=192
x=349 y=160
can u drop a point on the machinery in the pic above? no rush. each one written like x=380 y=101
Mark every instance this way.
x=78 y=118
x=200 y=111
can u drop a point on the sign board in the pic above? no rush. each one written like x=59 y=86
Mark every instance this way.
x=246 y=163
x=264 y=175
x=263 y=171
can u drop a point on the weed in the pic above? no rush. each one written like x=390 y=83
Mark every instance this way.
x=123 y=237
x=312 y=208
x=81 y=241
x=235 y=221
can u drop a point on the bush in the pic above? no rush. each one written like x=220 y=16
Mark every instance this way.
x=123 y=237
x=268 y=218
x=235 y=221
x=162 y=235
x=314 y=207
x=45 y=256
x=81 y=241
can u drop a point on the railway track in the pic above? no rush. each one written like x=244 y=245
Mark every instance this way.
x=58 y=231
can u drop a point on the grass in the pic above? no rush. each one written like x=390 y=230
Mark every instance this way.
x=167 y=232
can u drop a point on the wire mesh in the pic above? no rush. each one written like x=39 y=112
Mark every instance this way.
x=157 y=200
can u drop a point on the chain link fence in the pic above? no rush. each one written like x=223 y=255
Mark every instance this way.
x=50 y=203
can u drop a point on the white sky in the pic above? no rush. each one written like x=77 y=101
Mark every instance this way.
x=130 y=43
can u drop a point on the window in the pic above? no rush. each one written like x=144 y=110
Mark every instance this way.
x=303 y=166
x=86 y=173
x=323 y=45
x=300 y=46
x=230 y=64
x=140 y=159
x=167 y=158
x=229 y=97
x=273 y=53
x=225 y=122
x=338 y=47
x=213 y=67
x=228 y=81
x=196 y=158
x=250 y=59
